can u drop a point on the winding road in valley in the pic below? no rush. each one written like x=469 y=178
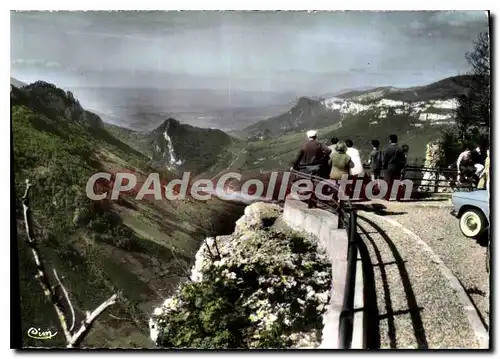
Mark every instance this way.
x=231 y=164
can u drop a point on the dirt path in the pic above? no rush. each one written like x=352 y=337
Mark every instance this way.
x=231 y=164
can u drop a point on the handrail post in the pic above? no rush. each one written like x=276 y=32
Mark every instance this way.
x=351 y=234
x=352 y=225
x=340 y=224
x=349 y=225
x=310 y=200
x=346 y=322
x=436 y=181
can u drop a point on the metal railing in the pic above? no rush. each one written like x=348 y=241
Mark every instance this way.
x=347 y=218
x=416 y=174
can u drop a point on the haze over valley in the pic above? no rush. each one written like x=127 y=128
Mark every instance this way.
x=143 y=109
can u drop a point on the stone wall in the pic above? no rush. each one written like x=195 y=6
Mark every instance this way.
x=323 y=225
x=433 y=156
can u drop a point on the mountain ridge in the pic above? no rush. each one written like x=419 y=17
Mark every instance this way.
x=452 y=85
x=435 y=100
x=15 y=82
x=178 y=146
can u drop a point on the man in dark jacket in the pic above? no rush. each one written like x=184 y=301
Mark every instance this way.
x=311 y=156
x=406 y=150
x=393 y=163
x=376 y=159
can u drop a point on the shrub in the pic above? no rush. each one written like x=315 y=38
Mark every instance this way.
x=266 y=290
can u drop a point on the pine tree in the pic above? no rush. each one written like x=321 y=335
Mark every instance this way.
x=473 y=112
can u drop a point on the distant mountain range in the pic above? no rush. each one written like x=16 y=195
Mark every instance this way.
x=445 y=89
x=434 y=103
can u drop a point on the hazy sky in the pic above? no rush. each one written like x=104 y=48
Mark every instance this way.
x=298 y=51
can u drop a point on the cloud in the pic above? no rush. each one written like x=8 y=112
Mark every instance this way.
x=250 y=48
x=461 y=18
x=110 y=36
x=453 y=25
x=36 y=63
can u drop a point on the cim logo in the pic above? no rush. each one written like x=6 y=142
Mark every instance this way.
x=37 y=333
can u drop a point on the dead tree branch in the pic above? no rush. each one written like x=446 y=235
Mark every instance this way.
x=183 y=268
x=214 y=234
x=208 y=248
x=66 y=296
x=73 y=338
x=89 y=320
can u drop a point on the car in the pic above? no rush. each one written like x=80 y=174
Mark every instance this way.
x=473 y=211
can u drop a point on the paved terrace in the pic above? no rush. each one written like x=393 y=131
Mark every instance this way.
x=425 y=284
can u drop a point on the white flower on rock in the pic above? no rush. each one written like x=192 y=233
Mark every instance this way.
x=310 y=292
x=158 y=311
x=322 y=297
x=154 y=331
x=232 y=275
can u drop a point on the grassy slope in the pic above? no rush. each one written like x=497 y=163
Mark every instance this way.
x=138 y=248
x=278 y=153
x=359 y=130
x=134 y=139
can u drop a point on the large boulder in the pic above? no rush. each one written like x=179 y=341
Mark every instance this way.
x=257 y=216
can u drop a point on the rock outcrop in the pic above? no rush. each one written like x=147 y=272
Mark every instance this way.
x=433 y=157
x=257 y=216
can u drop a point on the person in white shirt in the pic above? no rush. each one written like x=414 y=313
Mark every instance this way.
x=464 y=162
x=357 y=170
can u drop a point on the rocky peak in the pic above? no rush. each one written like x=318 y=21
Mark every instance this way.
x=306 y=102
x=167 y=125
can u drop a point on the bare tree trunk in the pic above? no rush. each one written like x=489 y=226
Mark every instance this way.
x=214 y=234
x=73 y=338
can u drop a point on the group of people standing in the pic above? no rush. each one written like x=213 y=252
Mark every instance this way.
x=341 y=159
x=474 y=165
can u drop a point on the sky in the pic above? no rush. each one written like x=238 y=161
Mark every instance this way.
x=313 y=52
